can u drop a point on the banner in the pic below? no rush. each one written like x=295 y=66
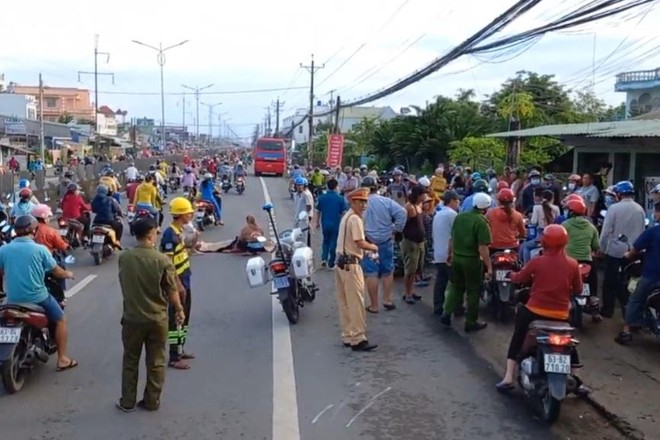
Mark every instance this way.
x=335 y=150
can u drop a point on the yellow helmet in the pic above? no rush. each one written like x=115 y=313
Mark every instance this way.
x=181 y=206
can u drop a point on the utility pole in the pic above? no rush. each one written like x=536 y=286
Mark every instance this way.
x=211 y=107
x=96 y=74
x=183 y=122
x=42 y=141
x=312 y=69
x=278 y=107
x=267 y=122
x=337 y=114
x=197 y=89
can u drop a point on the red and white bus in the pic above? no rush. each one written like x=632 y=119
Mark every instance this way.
x=270 y=157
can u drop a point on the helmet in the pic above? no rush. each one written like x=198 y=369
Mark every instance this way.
x=41 y=211
x=239 y=164
x=481 y=201
x=576 y=206
x=71 y=187
x=24 y=183
x=102 y=190
x=300 y=181
x=501 y=185
x=207 y=176
x=363 y=167
x=139 y=178
x=325 y=172
x=476 y=176
x=534 y=173
x=505 y=195
x=25 y=193
x=369 y=182
x=68 y=175
x=397 y=172
x=180 y=206
x=295 y=167
x=424 y=181
x=570 y=197
x=624 y=187
x=609 y=190
x=152 y=167
x=187 y=170
x=480 y=186
x=317 y=170
x=554 y=236
x=108 y=172
x=25 y=224
x=574 y=178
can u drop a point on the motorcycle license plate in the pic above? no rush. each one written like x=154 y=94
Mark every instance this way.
x=557 y=363
x=199 y=215
x=586 y=290
x=581 y=300
x=130 y=217
x=10 y=335
x=281 y=283
x=501 y=275
x=98 y=239
x=632 y=285
x=63 y=232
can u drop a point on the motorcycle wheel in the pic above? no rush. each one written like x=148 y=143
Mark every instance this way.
x=575 y=315
x=97 y=258
x=550 y=408
x=13 y=378
x=130 y=229
x=290 y=304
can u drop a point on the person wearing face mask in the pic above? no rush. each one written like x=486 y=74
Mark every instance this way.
x=528 y=192
x=573 y=185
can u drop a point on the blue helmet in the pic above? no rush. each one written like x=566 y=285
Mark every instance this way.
x=24 y=183
x=624 y=187
x=476 y=176
x=300 y=181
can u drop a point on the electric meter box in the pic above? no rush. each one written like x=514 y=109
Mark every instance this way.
x=257 y=272
x=303 y=262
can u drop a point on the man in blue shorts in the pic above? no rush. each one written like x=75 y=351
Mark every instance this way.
x=382 y=219
x=24 y=265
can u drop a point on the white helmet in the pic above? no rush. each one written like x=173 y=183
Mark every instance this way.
x=208 y=176
x=481 y=201
x=424 y=181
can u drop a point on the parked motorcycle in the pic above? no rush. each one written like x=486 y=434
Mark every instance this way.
x=101 y=246
x=500 y=293
x=26 y=337
x=581 y=303
x=240 y=185
x=290 y=270
x=204 y=214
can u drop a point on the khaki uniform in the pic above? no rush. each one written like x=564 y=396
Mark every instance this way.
x=350 y=281
x=147 y=277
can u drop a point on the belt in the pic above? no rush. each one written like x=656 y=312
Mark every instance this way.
x=352 y=259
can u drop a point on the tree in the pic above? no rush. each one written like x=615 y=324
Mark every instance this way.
x=478 y=152
x=65 y=118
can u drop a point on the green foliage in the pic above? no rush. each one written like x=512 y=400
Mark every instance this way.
x=451 y=128
x=65 y=118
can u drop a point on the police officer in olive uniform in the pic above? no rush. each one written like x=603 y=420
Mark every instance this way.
x=351 y=244
x=173 y=245
x=148 y=284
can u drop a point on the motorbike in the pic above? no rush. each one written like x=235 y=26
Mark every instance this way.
x=133 y=213
x=500 y=293
x=26 y=337
x=7 y=232
x=544 y=372
x=580 y=303
x=240 y=185
x=173 y=184
x=632 y=272
x=204 y=214
x=101 y=246
x=290 y=270
x=226 y=184
x=68 y=231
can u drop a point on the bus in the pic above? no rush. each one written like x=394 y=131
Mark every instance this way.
x=270 y=157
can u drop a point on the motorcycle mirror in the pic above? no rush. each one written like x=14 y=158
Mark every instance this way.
x=267 y=207
x=3 y=223
x=603 y=212
x=5 y=229
x=8 y=196
x=70 y=259
x=261 y=239
x=646 y=222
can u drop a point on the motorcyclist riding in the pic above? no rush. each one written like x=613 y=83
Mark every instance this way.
x=240 y=172
x=23 y=184
x=554 y=277
x=24 y=205
x=506 y=224
x=108 y=179
x=75 y=210
x=212 y=195
x=107 y=211
x=147 y=197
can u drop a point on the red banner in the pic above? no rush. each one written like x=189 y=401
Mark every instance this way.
x=335 y=150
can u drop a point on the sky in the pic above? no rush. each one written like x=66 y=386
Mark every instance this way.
x=259 y=45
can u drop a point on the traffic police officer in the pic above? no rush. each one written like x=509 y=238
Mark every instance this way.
x=173 y=245
x=351 y=244
x=148 y=284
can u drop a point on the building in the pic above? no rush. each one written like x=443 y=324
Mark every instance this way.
x=18 y=106
x=59 y=101
x=642 y=89
x=301 y=132
x=351 y=116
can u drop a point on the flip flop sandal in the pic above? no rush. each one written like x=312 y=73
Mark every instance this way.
x=389 y=307
x=370 y=311
x=179 y=365
x=70 y=365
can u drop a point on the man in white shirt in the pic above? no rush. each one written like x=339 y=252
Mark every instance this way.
x=303 y=201
x=443 y=221
x=131 y=173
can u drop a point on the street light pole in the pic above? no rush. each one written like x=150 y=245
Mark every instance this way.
x=211 y=107
x=160 y=58
x=197 y=89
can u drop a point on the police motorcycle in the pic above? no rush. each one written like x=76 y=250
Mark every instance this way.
x=290 y=270
x=26 y=335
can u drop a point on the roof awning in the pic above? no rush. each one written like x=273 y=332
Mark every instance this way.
x=614 y=129
x=24 y=150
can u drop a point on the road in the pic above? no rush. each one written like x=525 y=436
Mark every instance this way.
x=422 y=382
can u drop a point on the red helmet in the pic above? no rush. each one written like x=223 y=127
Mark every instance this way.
x=554 y=236
x=505 y=195
x=577 y=206
x=25 y=193
x=570 y=197
x=501 y=185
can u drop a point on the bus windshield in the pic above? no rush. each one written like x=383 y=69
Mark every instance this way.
x=270 y=145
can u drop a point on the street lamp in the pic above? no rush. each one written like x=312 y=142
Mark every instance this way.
x=161 y=62
x=211 y=107
x=197 y=89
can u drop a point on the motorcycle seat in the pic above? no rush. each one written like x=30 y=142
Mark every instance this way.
x=29 y=306
x=551 y=326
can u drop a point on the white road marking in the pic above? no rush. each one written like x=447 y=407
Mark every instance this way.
x=318 y=416
x=285 y=400
x=80 y=285
x=367 y=406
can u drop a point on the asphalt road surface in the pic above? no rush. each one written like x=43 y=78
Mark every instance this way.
x=257 y=378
